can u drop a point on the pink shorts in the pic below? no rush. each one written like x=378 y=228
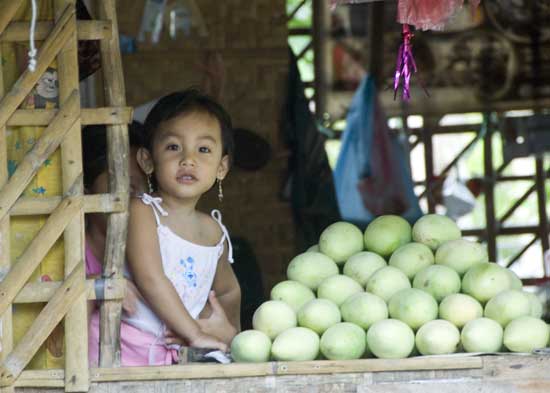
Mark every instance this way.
x=137 y=347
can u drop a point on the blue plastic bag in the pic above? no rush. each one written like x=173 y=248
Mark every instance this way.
x=372 y=177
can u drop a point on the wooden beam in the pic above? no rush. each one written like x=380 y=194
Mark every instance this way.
x=489 y=189
x=53 y=44
x=43 y=117
x=118 y=147
x=323 y=55
x=43 y=325
x=77 y=377
x=8 y=10
x=196 y=371
x=6 y=320
x=86 y=30
x=540 y=184
x=97 y=203
x=41 y=150
x=37 y=250
x=40 y=292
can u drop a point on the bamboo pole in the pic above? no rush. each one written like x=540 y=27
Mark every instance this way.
x=76 y=321
x=37 y=250
x=65 y=297
x=85 y=29
x=6 y=321
x=40 y=292
x=42 y=149
x=97 y=203
x=117 y=145
x=7 y=12
x=43 y=117
x=55 y=41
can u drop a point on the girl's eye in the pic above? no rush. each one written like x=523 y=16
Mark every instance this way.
x=172 y=146
x=204 y=149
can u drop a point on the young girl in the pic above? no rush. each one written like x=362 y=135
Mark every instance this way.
x=176 y=254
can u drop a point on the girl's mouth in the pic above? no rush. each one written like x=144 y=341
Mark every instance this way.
x=186 y=179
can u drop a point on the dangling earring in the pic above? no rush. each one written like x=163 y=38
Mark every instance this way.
x=150 y=184
x=220 y=191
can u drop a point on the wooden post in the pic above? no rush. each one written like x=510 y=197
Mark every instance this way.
x=489 y=185
x=541 y=199
x=429 y=165
x=322 y=57
x=76 y=321
x=37 y=250
x=6 y=327
x=376 y=43
x=41 y=150
x=117 y=144
x=68 y=294
x=55 y=41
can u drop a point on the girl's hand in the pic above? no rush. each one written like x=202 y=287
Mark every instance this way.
x=203 y=340
x=172 y=338
x=217 y=323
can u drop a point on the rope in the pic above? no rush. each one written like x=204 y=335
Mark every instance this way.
x=32 y=51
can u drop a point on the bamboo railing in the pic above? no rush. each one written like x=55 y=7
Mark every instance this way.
x=67 y=299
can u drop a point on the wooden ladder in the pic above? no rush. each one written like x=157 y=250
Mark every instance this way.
x=65 y=299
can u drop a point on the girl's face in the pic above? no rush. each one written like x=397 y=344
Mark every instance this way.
x=187 y=155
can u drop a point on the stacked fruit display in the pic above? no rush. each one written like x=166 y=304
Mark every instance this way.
x=393 y=292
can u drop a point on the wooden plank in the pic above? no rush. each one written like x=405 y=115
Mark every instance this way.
x=43 y=117
x=41 y=150
x=37 y=250
x=117 y=146
x=540 y=183
x=198 y=371
x=489 y=189
x=51 y=378
x=47 y=320
x=6 y=321
x=53 y=44
x=7 y=12
x=76 y=321
x=85 y=29
x=97 y=203
x=39 y=292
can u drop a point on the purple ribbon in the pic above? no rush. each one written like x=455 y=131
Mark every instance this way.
x=406 y=65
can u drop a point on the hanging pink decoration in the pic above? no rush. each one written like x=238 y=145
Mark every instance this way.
x=405 y=65
x=429 y=14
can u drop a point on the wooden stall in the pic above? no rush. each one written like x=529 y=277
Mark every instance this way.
x=66 y=299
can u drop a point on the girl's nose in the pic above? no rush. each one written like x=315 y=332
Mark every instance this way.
x=187 y=160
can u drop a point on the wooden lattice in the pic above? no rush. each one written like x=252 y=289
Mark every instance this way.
x=65 y=299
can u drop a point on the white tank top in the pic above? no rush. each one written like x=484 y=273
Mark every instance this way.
x=190 y=267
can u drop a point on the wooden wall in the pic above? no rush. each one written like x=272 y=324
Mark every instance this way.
x=252 y=39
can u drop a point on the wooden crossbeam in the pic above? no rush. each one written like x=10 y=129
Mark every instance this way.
x=97 y=203
x=47 y=320
x=42 y=149
x=43 y=117
x=7 y=12
x=37 y=250
x=85 y=30
x=40 y=292
x=46 y=54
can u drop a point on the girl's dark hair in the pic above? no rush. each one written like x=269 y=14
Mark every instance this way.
x=94 y=149
x=187 y=101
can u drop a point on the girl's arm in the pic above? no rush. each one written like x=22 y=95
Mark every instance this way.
x=145 y=263
x=228 y=291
